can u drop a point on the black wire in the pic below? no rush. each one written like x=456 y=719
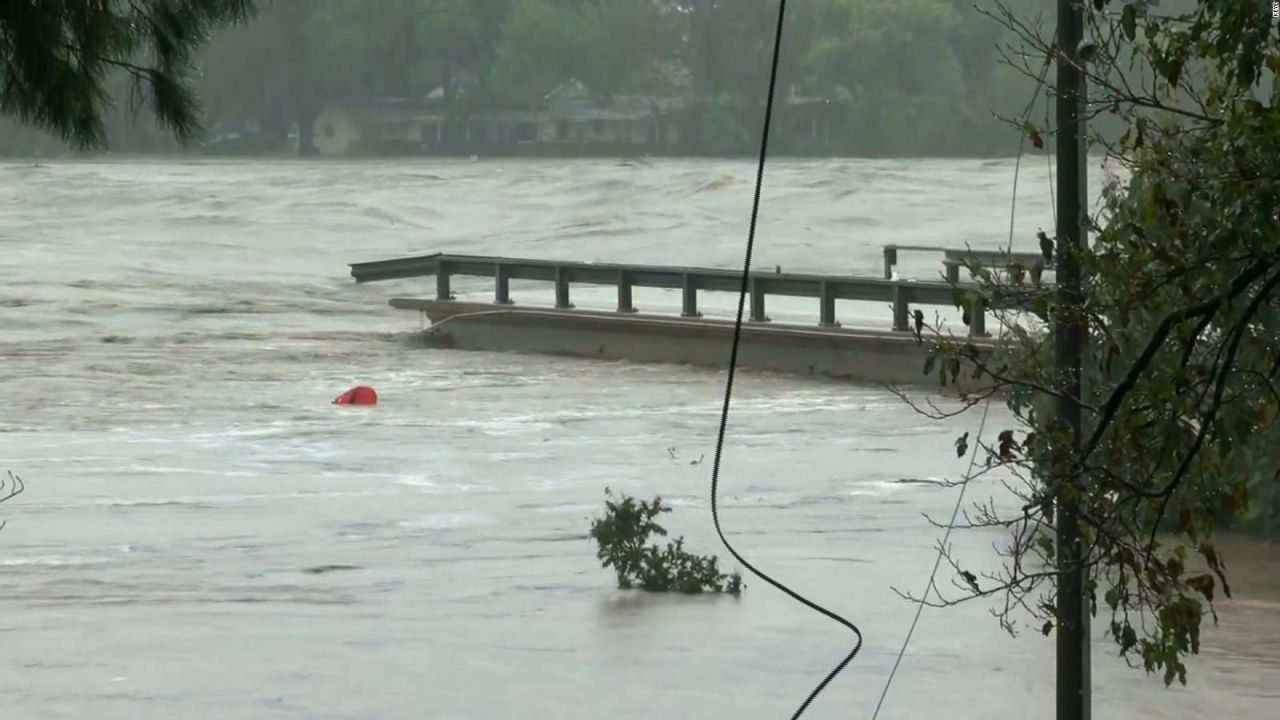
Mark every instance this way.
x=733 y=364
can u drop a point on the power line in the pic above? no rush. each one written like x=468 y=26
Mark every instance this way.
x=733 y=364
x=982 y=424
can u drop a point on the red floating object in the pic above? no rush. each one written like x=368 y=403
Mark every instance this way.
x=358 y=395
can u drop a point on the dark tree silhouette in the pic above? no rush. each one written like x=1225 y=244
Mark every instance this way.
x=56 y=60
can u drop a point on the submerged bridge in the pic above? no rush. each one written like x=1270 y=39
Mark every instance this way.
x=886 y=354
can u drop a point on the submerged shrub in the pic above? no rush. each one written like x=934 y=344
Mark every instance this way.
x=622 y=537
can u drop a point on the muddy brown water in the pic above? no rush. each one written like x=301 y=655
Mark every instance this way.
x=204 y=535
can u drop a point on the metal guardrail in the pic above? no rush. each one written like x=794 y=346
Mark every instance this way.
x=954 y=259
x=689 y=280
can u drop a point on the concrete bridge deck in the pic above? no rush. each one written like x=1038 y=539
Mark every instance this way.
x=871 y=356
x=891 y=354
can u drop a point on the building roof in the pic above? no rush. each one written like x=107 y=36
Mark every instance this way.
x=574 y=101
x=620 y=108
x=431 y=101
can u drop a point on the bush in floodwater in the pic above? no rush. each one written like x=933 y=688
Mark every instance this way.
x=623 y=539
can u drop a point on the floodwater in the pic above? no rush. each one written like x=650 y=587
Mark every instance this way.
x=172 y=335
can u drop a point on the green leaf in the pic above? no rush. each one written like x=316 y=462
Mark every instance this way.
x=1112 y=597
x=1203 y=584
x=1128 y=638
x=1244 y=428
x=1273 y=63
x=1034 y=134
x=1045 y=544
x=1174 y=72
x=1129 y=21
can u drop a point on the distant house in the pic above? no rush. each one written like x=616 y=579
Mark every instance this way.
x=503 y=131
x=569 y=120
x=575 y=116
x=373 y=125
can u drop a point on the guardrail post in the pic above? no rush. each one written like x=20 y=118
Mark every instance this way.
x=562 y=288
x=951 y=268
x=977 y=316
x=689 y=298
x=501 y=284
x=827 y=301
x=890 y=260
x=757 y=300
x=901 y=313
x=624 y=293
x=442 y=282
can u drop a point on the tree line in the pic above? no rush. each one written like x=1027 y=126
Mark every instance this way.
x=895 y=77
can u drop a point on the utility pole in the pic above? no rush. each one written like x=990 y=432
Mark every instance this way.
x=1073 y=681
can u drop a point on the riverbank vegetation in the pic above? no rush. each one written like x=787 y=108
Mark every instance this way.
x=858 y=77
x=1182 y=307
